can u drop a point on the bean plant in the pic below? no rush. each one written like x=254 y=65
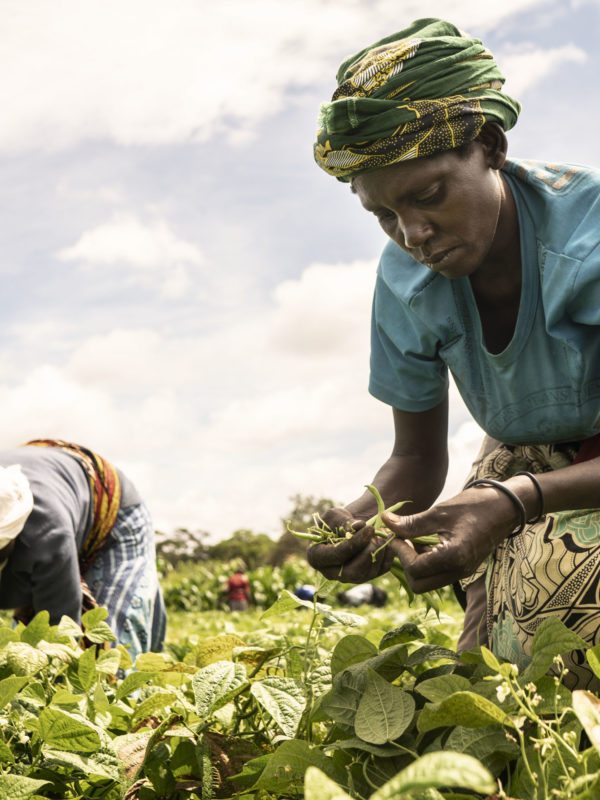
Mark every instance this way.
x=342 y=711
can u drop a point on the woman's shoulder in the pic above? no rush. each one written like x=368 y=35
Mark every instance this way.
x=564 y=203
x=554 y=179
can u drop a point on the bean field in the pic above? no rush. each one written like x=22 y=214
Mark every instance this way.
x=290 y=699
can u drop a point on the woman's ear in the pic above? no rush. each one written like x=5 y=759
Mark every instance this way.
x=494 y=142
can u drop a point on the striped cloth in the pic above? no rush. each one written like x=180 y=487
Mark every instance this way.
x=124 y=580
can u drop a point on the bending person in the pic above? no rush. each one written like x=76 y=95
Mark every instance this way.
x=491 y=273
x=74 y=534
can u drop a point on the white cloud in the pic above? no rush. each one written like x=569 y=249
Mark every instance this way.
x=529 y=65
x=150 y=249
x=219 y=430
x=143 y=72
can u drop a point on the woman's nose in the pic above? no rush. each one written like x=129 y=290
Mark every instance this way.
x=416 y=231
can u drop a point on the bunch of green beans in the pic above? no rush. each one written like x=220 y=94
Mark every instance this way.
x=321 y=533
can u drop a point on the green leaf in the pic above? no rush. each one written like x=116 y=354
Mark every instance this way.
x=488 y=745
x=62 y=652
x=593 y=657
x=551 y=639
x=155 y=702
x=103 y=764
x=288 y=764
x=6 y=756
x=408 y=632
x=18 y=787
x=341 y=702
x=386 y=751
x=325 y=587
x=9 y=687
x=132 y=682
x=23 y=659
x=283 y=699
x=37 y=629
x=153 y=662
x=217 y=684
x=385 y=711
x=93 y=617
x=439 y=769
x=108 y=662
x=350 y=650
x=493 y=663
x=317 y=786
x=62 y=731
x=437 y=689
x=62 y=697
x=587 y=707
x=340 y=617
x=216 y=648
x=462 y=708
x=86 y=668
x=68 y=627
x=285 y=603
x=100 y=633
x=288 y=601
x=430 y=652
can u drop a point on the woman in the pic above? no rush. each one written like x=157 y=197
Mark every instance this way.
x=74 y=534
x=492 y=272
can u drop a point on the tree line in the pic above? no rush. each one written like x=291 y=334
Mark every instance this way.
x=253 y=547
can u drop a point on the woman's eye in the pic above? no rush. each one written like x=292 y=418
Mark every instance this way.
x=433 y=196
x=384 y=217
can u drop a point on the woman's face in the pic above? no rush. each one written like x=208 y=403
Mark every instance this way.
x=443 y=210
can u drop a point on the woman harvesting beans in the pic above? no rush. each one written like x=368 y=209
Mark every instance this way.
x=491 y=273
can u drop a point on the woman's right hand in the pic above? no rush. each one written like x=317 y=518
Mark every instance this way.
x=351 y=560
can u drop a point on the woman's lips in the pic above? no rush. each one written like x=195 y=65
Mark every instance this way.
x=438 y=260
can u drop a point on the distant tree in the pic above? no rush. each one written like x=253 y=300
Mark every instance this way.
x=253 y=548
x=301 y=517
x=182 y=545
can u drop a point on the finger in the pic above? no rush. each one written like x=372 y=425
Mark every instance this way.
x=411 y=526
x=336 y=518
x=428 y=570
x=330 y=555
x=363 y=567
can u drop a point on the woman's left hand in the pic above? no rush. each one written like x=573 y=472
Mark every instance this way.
x=469 y=527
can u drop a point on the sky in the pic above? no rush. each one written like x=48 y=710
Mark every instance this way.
x=184 y=290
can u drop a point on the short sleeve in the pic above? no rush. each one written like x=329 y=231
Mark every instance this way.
x=406 y=370
x=584 y=301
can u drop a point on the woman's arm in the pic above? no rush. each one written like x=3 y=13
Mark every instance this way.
x=415 y=471
x=474 y=522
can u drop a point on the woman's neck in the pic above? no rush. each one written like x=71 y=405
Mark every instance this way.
x=498 y=279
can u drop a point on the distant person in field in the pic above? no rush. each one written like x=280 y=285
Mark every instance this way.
x=363 y=594
x=75 y=534
x=238 y=590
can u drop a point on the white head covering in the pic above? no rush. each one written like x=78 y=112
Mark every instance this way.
x=16 y=502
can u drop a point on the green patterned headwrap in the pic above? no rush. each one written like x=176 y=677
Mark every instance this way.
x=421 y=91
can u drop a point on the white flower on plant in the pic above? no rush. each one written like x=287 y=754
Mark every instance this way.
x=502 y=691
x=536 y=699
x=518 y=722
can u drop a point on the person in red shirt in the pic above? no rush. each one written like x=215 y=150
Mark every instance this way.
x=238 y=591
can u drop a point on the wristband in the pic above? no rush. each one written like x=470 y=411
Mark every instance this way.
x=509 y=493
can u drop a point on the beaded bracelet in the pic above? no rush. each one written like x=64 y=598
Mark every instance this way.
x=509 y=493
x=536 y=483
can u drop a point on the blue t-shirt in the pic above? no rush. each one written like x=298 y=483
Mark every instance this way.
x=545 y=385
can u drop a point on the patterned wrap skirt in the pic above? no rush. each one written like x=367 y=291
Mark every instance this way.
x=550 y=569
